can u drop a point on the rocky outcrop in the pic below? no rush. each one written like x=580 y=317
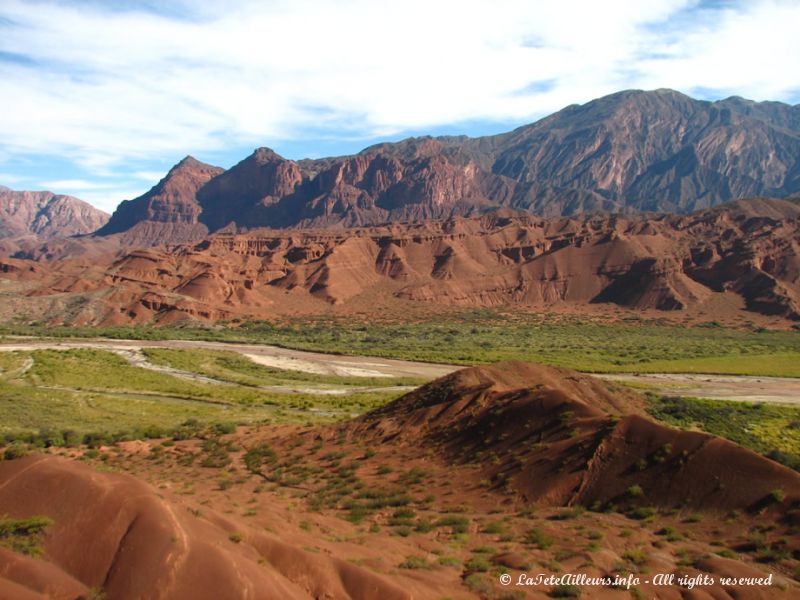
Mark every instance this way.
x=659 y=151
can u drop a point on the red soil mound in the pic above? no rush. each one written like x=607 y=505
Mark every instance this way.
x=561 y=437
x=113 y=531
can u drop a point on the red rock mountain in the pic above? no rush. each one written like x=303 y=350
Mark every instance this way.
x=168 y=212
x=631 y=151
x=747 y=251
x=46 y=215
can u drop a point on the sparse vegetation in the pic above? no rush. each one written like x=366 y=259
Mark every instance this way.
x=566 y=591
x=24 y=535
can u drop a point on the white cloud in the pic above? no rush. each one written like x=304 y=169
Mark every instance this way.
x=81 y=184
x=107 y=199
x=111 y=87
x=150 y=176
x=9 y=179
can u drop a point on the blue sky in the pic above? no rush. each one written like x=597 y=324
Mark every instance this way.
x=100 y=98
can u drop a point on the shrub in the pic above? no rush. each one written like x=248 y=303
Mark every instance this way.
x=642 y=513
x=478 y=565
x=635 y=491
x=478 y=584
x=15 y=450
x=24 y=535
x=670 y=534
x=223 y=428
x=415 y=562
x=448 y=561
x=456 y=524
x=635 y=555
x=538 y=538
x=777 y=495
x=255 y=458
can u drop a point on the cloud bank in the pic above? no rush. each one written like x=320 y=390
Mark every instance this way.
x=110 y=92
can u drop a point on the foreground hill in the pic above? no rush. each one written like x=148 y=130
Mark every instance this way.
x=631 y=151
x=434 y=495
x=45 y=215
x=746 y=252
x=588 y=443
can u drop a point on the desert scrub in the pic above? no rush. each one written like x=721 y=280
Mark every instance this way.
x=15 y=450
x=24 y=535
x=456 y=524
x=216 y=454
x=415 y=562
x=259 y=456
x=478 y=564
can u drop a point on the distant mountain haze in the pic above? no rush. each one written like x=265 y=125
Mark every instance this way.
x=46 y=215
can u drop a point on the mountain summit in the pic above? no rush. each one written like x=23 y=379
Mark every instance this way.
x=628 y=152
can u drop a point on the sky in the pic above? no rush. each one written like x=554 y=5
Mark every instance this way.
x=100 y=98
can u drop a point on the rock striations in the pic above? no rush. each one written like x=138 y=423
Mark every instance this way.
x=167 y=213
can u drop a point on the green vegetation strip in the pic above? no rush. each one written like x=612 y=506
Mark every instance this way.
x=486 y=336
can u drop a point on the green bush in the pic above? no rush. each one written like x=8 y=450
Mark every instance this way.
x=24 y=535
x=538 y=538
x=14 y=451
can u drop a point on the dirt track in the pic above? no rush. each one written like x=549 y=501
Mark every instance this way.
x=726 y=387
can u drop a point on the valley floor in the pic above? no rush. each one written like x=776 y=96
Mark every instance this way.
x=742 y=388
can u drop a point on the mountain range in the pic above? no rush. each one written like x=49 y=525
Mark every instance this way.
x=628 y=152
x=626 y=200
